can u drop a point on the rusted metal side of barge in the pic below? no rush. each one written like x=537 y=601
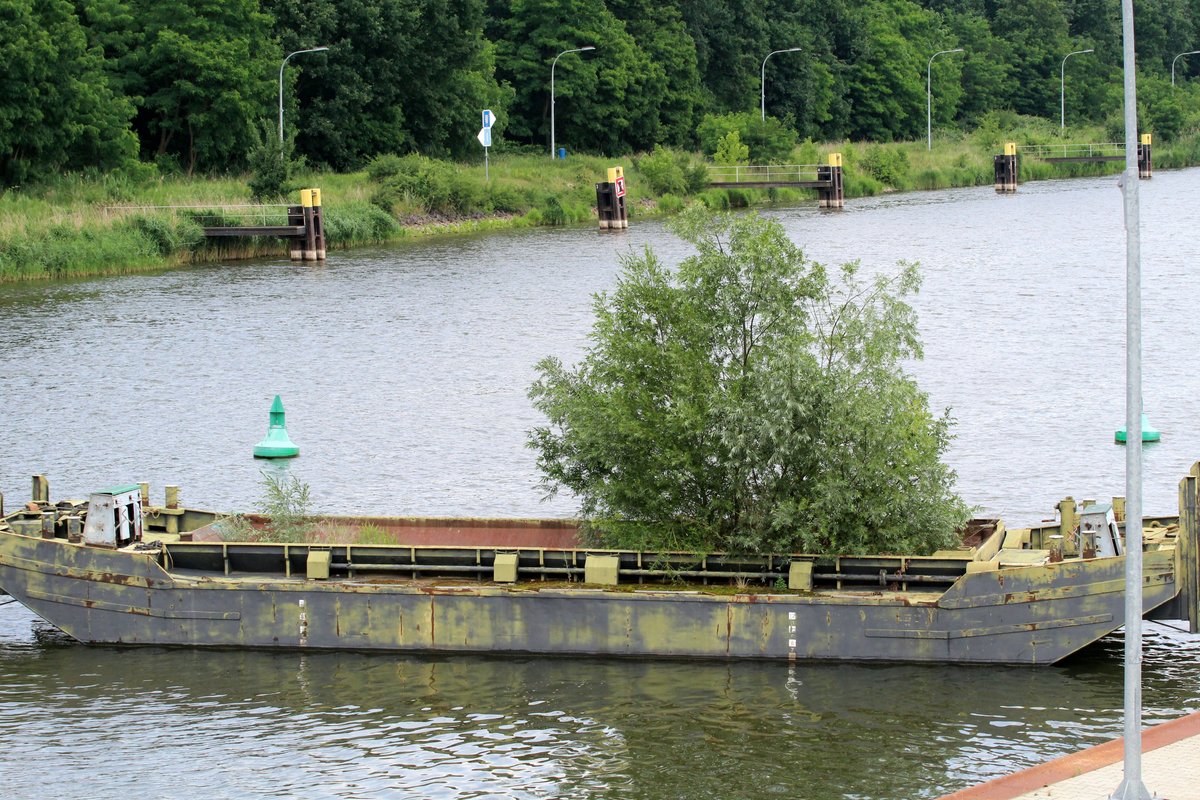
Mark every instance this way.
x=1026 y=615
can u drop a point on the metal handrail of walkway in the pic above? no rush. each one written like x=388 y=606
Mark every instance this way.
x=765 y=174
x=216 y=215
x=1080 y=152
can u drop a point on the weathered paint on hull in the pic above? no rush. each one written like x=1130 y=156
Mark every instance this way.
x=1029 y=615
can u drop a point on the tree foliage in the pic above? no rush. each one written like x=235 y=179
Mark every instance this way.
x=606 y=100
x=57 y=109
x=186 y=81
x=199 y=71
x=749 y=401
x=766 y=141
x=400 y=76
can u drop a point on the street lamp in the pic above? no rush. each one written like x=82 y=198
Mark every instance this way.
x=762 y=83
x=281 y=66
x=929 y=96
x=1062 y=87
x=552 y=65
x=1176 y=58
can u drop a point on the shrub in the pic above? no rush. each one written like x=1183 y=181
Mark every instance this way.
x=168 y=235
x=385 y=166
x=730 y=150
x=888 y=165
x=668 y=171
x=357 y=223
x=749 y=401
x=551 y=212
x=768 y=141
x=289 y=507
x=271 y=163
x=662 y=171
x=670 y=204
x=438 y=187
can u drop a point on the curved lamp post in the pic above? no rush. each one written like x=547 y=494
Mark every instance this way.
x=1176 y=58
x=552 y=65
x=1062 y=87
x=762 y=83
x=929 y=96
x=281 y=66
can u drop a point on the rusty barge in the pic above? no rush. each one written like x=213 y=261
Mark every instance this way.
x=115 y=570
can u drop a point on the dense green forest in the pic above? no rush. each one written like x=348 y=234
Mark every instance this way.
x=192 y=85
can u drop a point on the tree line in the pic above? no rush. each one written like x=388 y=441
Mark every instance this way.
x=192 y=85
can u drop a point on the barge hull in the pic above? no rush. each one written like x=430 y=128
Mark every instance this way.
x=1030 y=615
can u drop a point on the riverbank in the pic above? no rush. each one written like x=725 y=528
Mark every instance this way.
x=116 y=224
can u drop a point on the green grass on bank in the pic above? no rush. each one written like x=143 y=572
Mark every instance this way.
x=83 y=226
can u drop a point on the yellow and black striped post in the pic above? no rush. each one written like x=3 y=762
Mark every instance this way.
x=1145 y=170
x=833 y=195
x=310 y=238
x=1007 y=169
x=295 y=219
x=616 y=176
x=610 y=201
x=318 y=216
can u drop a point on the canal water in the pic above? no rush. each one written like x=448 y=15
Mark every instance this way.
x=404 y=371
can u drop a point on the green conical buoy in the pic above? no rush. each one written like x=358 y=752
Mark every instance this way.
x=1148 y=433
x=276 y=444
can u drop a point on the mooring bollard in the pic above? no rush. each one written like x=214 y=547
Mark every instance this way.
x=41 y=489
x=1006 y=169
x=310 y=239
x=1144 y=168
x=318 y=224
x=605 y=203
x=610 y=201
x=296 y=243
x=833 y=195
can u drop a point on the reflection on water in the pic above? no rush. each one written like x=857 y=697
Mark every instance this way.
x=354 y=725
x=404 y=372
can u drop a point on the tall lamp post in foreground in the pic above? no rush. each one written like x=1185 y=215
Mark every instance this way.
x=1176 y=58
x=1131 y=787
x=929 y=96
x=1062 y=86
x=762 y=82
x=281 y=66
x=552 y=65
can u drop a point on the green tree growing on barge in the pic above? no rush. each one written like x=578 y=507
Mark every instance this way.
x=752 y=402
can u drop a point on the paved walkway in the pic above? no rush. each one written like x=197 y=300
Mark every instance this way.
x=1170 y=770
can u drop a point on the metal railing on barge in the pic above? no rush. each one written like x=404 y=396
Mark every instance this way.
x=353 y=561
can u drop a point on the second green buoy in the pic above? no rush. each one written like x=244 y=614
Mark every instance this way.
x=1149 y=434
